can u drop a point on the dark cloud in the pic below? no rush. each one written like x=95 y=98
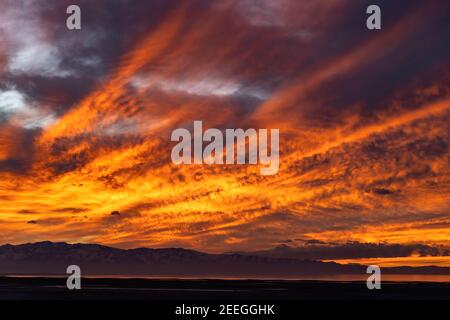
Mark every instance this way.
x=70 y=210
x=353 y=250
x=20 y=149
x=382 y=191
x=54 y=68
x=27 y=211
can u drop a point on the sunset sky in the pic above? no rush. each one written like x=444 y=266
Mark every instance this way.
x=86 y=118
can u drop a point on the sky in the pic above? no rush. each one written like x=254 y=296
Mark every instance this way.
x=86 y=118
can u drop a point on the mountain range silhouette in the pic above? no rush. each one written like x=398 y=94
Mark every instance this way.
x=49 y=258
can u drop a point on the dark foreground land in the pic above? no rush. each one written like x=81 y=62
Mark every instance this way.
x=16 y=288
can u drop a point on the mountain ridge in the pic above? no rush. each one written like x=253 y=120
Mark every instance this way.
x=52 y=258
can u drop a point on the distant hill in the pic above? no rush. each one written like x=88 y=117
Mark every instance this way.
x=48 y=258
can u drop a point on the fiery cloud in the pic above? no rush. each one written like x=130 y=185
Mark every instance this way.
x=363 y=117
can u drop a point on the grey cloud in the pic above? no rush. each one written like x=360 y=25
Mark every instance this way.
x=353 y=250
